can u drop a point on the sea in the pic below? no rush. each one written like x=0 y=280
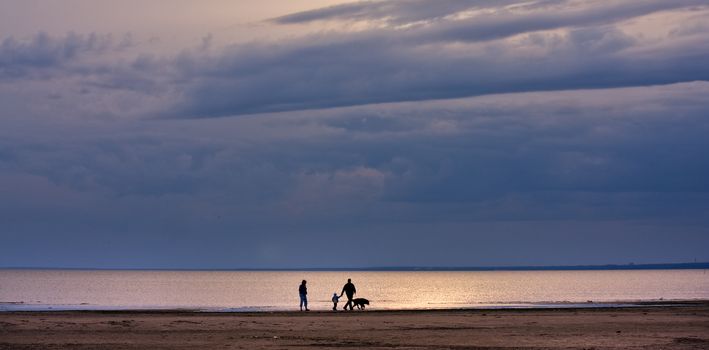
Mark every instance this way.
x=266 y=291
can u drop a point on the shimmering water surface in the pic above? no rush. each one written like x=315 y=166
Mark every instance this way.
x=267 y=291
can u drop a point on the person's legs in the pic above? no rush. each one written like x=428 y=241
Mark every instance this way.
x=349 y=302
x=303 y=302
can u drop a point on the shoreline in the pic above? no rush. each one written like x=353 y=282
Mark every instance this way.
x=34 y=308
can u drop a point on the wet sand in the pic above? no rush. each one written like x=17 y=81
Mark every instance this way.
x=679 y=326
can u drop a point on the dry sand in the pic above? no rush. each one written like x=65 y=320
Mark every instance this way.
x=683 y=326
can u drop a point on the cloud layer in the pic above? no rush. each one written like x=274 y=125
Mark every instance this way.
x=465 y=133
x=459 y=49
x=592 y=157
x=542 y=46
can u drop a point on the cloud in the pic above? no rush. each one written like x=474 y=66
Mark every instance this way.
x=454 y=52
x=38 y=56
x=484 y=20
x=465 y=170
x=392 y=12
x=341 y=70
x=76 y=76
x=549 y=45
x=421 y=126
x=481 y=151
x=498 y=26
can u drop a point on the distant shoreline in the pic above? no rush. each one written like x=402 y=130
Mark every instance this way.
x=673 y=266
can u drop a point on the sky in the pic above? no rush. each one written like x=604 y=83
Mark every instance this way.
x=313 y=134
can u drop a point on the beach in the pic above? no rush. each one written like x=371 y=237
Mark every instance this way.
x=652 y=326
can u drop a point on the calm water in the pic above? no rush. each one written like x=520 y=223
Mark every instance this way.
x=265 y=291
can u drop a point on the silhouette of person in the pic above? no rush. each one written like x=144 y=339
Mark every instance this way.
x=335 y=300
x=350 y=290
x=303 y=291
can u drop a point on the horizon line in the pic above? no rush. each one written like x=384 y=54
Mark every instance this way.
x=628 y=266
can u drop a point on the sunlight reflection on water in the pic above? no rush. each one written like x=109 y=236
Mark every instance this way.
x=273 y=290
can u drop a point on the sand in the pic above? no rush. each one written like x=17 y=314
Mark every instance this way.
x=682 y=326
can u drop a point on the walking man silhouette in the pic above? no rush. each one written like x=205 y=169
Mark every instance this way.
x=350 y=290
